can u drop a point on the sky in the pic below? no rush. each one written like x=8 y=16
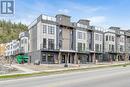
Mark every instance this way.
x=103 y=13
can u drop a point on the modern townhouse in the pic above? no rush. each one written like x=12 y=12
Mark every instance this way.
x=114 y=43
x=127 y=45
x=42 y=40
x=98 y=45
x=12 y=49
x=23 y=43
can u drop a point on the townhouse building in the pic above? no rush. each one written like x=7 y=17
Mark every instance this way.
x=114 y=44
x=127 y=45
x=23 y=43
x=98 y=45
x=58 y=40
x=11 y=49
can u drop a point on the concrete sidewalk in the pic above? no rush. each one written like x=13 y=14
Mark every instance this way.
x=27 y=70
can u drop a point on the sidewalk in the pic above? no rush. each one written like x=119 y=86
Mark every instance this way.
x=28 y=69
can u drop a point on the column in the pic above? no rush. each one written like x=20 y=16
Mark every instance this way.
x=75 y=58
x=93 y=58
x=59 y=58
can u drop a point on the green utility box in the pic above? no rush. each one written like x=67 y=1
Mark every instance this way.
x=22 y=58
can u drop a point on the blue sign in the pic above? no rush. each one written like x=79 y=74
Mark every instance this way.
x=7 y=6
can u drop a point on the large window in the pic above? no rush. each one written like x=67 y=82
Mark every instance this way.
x=109 y=47
x=80 y=35
x=79 y=46
x=113 y=48
x=44 y=43
x=100 y=47
x=51 y=44
x=113 y=38
x=96 y=37
x=121 y=48
x=44 y=28
x=97 y=47
x=83 y=46
x=109 y=38
x=106 y=38
x=51 y=30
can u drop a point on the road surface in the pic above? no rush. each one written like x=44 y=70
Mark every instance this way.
x=109 y=77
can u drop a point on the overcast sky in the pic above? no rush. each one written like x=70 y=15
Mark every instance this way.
x=102 y=13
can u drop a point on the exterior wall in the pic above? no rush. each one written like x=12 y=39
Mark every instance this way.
x=66 y=37
x=33 y=38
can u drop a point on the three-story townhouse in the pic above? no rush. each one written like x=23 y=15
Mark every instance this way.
x=127 y=45
x=98 y=45
x=82 y=48
x=109 y=45
x=42 y=40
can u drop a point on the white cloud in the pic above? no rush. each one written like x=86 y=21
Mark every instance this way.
x=97 y=20
x=63 y=11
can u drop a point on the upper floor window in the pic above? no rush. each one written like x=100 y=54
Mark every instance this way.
x=44 y=42
x=44 y=28
x=97 y=47
x=113 y=38
x=79 y=46
x=84 y=36
x=80 y=35
x=96 y=37
x=106 y=38
x=50 y=30
x=109 y=38
x=51 y=44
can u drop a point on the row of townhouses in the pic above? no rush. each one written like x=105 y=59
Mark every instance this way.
x=58 y=40
x=16 y=47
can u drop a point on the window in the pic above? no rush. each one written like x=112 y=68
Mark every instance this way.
x=84 y=46
x=109 y=38
x=109 y=47
x=97 y=47
x=51 y=44
x=96 y=37
x=79 y=46
x=50 y=30
x=84 y=36
x=79 y=35
x=113 y=38
x=100 y=47
x=113 y=48
x=106 y=38
x=25 y=41
x=44 y=43
x=44 y=28
x=121 y=48
x=100 y=37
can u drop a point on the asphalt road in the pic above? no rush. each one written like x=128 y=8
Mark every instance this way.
x=109 y=77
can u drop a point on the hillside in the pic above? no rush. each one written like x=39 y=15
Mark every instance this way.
x=10 y=31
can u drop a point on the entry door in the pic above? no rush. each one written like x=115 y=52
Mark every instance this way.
x=63 y=59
